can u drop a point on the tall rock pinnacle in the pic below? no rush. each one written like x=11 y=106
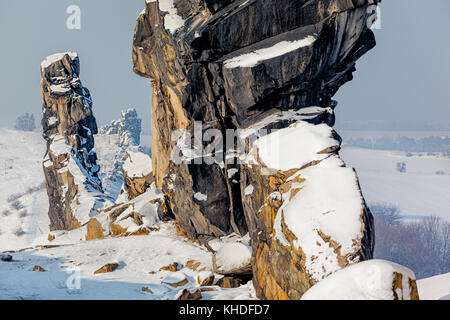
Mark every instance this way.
x=70 y=168
x=265 y=73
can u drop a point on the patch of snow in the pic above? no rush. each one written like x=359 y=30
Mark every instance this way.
x=295 y=146
x=59 y=146
x=88 y=199
x=60 y=88
x=55 y=57
x=202 y=276
x=172 y=21
x=248 y=190
x=232 y=172
x=137 y=165
x=52 y=121
x=367 y=280
x=200 y=196
x=328 y=198
x=293 y=115
x=254 y=58
x=233 y=255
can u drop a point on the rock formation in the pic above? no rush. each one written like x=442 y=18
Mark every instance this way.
x=128 y=128
x=252 y=67
x=137 y=209
x=70 y=168
x=116 y=139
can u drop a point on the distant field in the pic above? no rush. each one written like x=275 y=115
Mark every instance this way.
x=417 y=192
x=352 y=134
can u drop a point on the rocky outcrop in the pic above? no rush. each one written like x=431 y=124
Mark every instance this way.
x=253 y=67
x=71 y=171
x=307 y=217
x=74 y=188
x=229 y=64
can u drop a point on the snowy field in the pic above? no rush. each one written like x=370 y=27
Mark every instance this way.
x=353 y=134
x=23 y=197
x=69 y=270
x=419 y=192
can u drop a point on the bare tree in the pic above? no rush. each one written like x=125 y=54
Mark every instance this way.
x=25 y=122
x=423 y=246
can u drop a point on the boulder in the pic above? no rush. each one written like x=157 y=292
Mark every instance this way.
x=173 y=267
x=137 y=172
x=228 y=282
x=38 y=269
x=186 y=294
x=233 y=259
x=175 y=280
x=107 y=268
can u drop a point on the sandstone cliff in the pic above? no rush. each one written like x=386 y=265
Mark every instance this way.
x=254 y=67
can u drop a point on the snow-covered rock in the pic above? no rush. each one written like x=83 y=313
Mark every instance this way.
x=70 y=168
x=368 y=280
x=308 y=218
x=138 y=174
x=232 y=258
x=128 y=128
x=435 y=288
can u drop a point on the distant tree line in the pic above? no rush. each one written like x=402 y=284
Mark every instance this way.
x=434 y=144
x=423 y=246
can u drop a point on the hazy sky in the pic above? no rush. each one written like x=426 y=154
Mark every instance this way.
x=405 y=79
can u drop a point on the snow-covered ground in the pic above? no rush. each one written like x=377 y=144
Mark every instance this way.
x=417 y=192
x=23 y=196
x=435 y=288
x=69 y=270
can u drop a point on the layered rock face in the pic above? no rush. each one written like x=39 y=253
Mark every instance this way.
x=70 y=168
x=305 y=211
x=247 y=68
